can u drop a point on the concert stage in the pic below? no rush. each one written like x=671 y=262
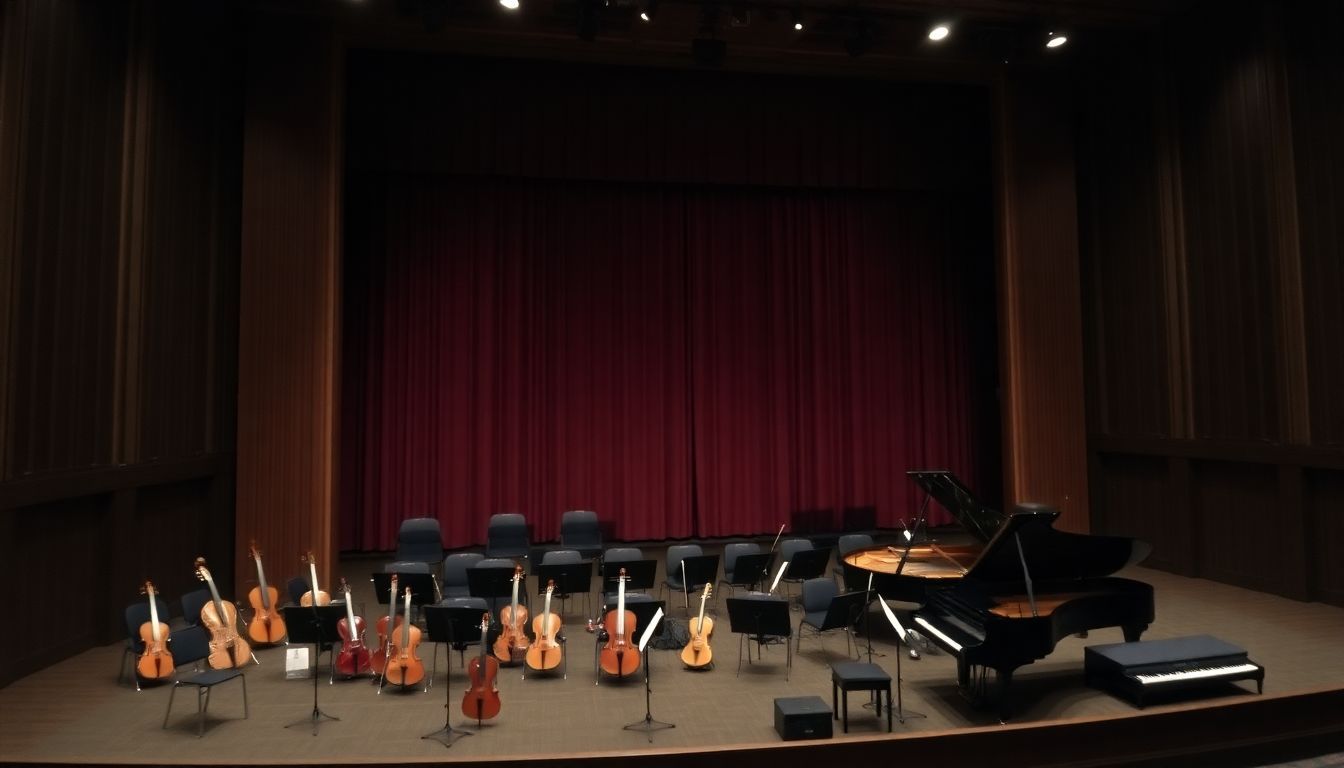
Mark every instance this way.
x=76 y=713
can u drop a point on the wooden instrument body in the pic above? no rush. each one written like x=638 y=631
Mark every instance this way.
x=267 y=627
x=227 y=648
x=619 y=656
x=353 y=658
x=314 y=595
x=545 y=653
x=481 y=700
x=156 y=661
x=512 y=641
x=404 y=667
x=697 y=652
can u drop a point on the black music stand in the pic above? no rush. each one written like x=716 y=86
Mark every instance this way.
x=698 y=570
x=640 y=574
x=644 y=612
x=421 y=584
x=492 y=584
x=570 y=578
x=316 y=625
x=750 y=570
x=761 y=619
x=808 y=564
x=648 y=725
x=451 y=624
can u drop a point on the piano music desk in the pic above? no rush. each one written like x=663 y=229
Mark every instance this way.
x=1138 y=670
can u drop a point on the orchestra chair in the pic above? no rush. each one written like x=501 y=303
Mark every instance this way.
x=568 y=557
x=755 y=563
x=672 y=580
x=419 y=540
x=849 y=676
x=611 y=565
x=194 y=601
x=848 y=543
x=826 y=610
x=191 y=645
x=579 y=530
x=136 y=614
x=295 y=587
x=455 y=573
x=506 y=537
x=788 y=550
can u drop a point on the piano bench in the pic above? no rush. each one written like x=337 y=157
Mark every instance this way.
x=859 y=676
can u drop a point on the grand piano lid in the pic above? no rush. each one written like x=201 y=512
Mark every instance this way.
x=1051 y=555
x=979 y=520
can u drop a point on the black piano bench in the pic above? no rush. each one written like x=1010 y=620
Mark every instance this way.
x=859 y=676
x=802 y=717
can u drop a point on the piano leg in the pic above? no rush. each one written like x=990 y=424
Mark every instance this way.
x=1133 y=632
x=1005 y=679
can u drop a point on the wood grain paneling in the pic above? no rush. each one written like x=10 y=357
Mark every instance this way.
x=1323 y=507
x=289 y=300
x=1132 y=497
x=1239 y=525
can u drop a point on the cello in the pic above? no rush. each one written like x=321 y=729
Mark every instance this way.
x=386 y=626
x=314 y=595
x=697 y=654
x=354 y=656
x=403 y=666
x=156 y=662
x=267 y=627
x=546 y=653
x=619 y=657
x=512 y=640
x=227 y=649
x=482 y=698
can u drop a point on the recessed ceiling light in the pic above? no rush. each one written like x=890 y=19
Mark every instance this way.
x=939 y=32
x=1056 y=40
x=512 y=5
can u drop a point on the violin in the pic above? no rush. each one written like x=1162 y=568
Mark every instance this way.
x=354 y=656
x=386 y=626
x=314 y=595
x=619 y=657
x=227 y=649
x=267 y=627
x=512 y=640
x=482 y=698
x=403 y=666
x=156 y=662
x=697 y=654
x=546 y=653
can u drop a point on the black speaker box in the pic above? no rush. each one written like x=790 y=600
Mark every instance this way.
x=802 y=717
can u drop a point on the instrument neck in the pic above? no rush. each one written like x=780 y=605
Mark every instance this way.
x=261 y=579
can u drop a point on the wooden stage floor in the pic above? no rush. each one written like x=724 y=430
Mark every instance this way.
x=77 y=713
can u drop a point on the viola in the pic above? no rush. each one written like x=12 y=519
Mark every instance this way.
x=386 y=626
x=512 y=641
x=156 y=662
x=546 y=652
x=227 y=648
x=354 y=656
x=619 y=656
x=482 y=698
x=403 y=666
x=267 y=627
x=313 y=596
x=697 y=654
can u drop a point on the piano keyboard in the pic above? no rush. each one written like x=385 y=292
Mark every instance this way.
x=1195 y=674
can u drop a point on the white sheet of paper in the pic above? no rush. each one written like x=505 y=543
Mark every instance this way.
x=648 y=631
x=891 y=617
x=783 y=566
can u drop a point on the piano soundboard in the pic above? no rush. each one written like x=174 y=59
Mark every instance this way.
x=1139 y=670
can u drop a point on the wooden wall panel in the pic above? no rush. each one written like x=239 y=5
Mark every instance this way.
x=1323 y=505
x=1238 y=522
x=1132 y=497
x=1041 y=317
x=289 y=295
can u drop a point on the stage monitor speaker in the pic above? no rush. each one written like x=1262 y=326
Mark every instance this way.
x=802 y=717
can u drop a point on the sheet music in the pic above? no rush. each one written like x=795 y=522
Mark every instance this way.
x=775 y=583
x=891 y=617
x=648 y=631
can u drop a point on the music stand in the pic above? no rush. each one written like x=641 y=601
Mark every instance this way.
x=570 y=578
x=808 y=564
x=756 y=618
x=316 y=625
x=450 y=624
x=644 y=612
x=697 y=571
x=639 y=572
x=422 y=587
x=491 y=583
x=750 y=570
x=648 y=725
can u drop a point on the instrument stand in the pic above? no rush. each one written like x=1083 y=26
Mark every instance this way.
x=448 y=624
x=648 y=725
x=317 y=626
x=448 y=734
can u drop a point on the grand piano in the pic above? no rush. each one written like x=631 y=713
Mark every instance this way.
x=1007 y=594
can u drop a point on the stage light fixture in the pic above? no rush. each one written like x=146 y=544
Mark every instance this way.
x=650 y=11
x=1056 y=39
x=512 y=5
x=797 y=18
x=939 y=33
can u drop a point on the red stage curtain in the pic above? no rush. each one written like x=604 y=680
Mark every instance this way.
x=686 y=361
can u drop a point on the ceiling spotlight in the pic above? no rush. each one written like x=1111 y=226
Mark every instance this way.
x=650 y=11
x=1056 y=40
x=939 y=32
x=797 y=20
x=512 y=5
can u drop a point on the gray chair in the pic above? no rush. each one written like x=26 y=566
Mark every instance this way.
x=826 y=610
x=194 y=601
x=787 y=549
x=731 y=576
x=568 y=557
x=579 y=530
x=136 y=614
x=455 y=573
x=190 y=645
x=848 y=543
x=504 y=569
x=419 y=540
x=506 y=537
x=672 y=578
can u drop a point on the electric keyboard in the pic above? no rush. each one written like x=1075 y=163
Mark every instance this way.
x=1140 y=670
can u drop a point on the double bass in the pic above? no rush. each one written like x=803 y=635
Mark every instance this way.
x=313 y=596
x=267 y=627
x=697 y=654
x=156 y=662
x=386 y=626
x=403 y=666
x=619 y=656
x=227 y=649
x=512 y=640
x=482 y=698
x=353 y=658
x=546 y=652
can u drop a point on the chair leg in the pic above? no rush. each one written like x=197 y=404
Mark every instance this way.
x=169 y=711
